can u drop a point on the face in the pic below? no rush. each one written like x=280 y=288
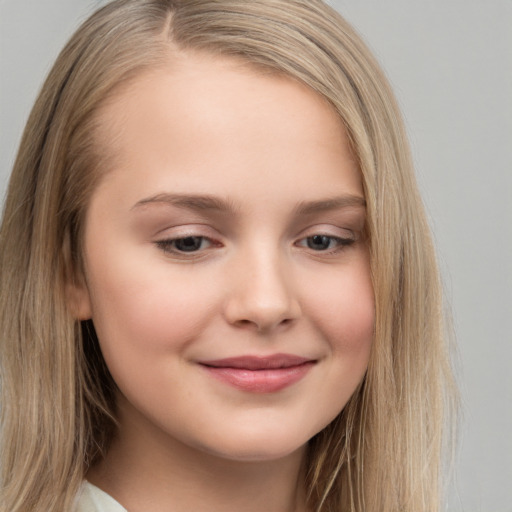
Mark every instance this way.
x=226 y=271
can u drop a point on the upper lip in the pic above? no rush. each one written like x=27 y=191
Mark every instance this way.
x=248 y=362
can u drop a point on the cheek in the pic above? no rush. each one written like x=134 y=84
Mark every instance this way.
x=145 y=326
x=344 y=315
x=141 y=309
x=344 y=310
x=351 y=327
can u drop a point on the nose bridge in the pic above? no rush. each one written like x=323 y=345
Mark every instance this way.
x=262 y=292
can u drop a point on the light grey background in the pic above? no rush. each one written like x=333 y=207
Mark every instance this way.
x=450 y=63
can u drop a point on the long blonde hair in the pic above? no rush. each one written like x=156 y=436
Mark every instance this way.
x=383 y=452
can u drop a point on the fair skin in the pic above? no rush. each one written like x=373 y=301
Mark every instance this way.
x=227 y=275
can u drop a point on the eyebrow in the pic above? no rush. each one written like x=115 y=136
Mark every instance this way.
x=190 y=202
x=334 y=203
x=213 y=203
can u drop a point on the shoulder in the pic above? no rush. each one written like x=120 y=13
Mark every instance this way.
x=93 y=499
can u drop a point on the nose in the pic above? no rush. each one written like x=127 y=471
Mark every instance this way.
x=261 y=293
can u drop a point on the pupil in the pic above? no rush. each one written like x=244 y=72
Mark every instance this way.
x=319 y=242
x=189 y=244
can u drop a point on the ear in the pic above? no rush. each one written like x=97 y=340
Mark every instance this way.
x=78 y=299
x=76 y=291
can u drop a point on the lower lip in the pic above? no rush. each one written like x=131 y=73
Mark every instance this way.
x=260 y=381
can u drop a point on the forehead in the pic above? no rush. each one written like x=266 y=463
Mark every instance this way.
x=194 y=78
x=202 y=109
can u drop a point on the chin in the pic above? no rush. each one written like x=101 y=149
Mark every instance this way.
x=257 y=448
x=258 y=454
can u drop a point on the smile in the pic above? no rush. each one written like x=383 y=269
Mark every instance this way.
x=260 y=374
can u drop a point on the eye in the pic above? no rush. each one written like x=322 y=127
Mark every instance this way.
x=187 y=244
x=325 y=243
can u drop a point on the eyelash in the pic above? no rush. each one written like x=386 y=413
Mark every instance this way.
x=168 y=246
x=340 y=243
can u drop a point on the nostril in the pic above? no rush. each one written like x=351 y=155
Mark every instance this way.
x=262 y=325
x=263 y=307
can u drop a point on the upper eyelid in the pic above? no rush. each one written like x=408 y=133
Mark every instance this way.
x=170 y=239
x=185 y=230
x=327 y=230
x=212 y=234
x=184 y=237
x=215 y=243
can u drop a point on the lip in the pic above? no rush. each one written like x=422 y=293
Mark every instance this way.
x=257 y=374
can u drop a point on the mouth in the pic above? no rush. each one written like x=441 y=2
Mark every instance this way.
x=258 y=374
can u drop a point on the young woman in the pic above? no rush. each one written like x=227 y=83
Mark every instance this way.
x=218 y=287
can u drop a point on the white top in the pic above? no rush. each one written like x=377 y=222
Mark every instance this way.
x=93 y=499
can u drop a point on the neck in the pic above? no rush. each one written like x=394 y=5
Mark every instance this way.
x=146 y=470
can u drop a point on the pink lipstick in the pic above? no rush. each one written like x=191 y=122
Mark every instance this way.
x=260 y=374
